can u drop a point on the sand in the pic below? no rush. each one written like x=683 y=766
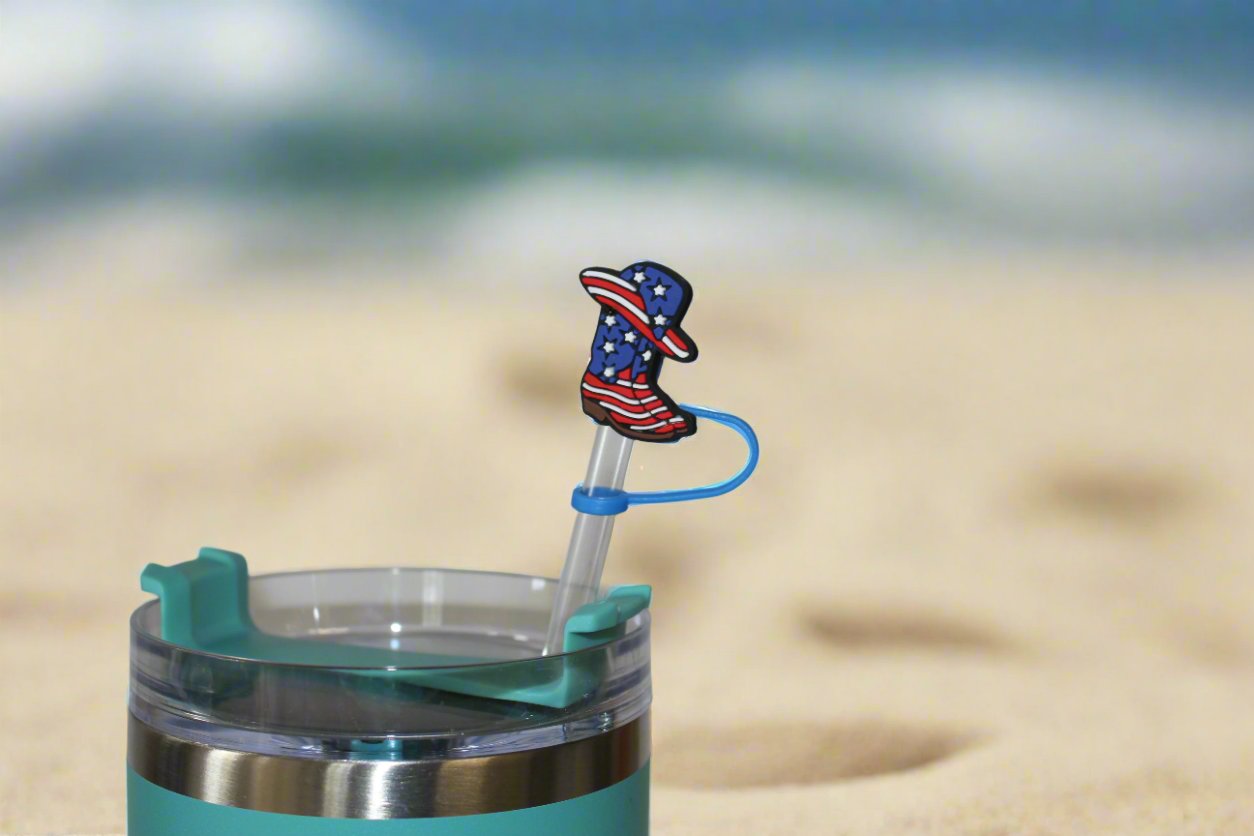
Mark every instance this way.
x=994 y=576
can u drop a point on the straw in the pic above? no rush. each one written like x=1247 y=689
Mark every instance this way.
x=590 y=538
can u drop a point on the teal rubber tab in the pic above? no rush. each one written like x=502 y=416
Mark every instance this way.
x=619 y=810
x=204 y=606
x=606 y=620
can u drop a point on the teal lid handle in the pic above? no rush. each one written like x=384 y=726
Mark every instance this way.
x=609 y=501
x=203 y=601
x=606 y=620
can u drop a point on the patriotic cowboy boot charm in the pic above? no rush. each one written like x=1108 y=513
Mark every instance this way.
x=642 y=308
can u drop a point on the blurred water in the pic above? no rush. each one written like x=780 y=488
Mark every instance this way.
x=443 y=136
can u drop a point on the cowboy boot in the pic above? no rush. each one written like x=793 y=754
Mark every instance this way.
x=620 y=388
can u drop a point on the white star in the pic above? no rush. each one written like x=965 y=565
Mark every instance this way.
x=609 y=348
x=630 y=336
x=659 y=289
x=639 y=277
x=609 y=371
x=648 y=355
x=611 y=321
x=659 y=320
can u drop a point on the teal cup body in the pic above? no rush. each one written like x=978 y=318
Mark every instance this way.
x=618 y=810
x=470 y=732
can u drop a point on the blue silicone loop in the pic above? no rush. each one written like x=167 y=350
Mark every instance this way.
x=603 y=502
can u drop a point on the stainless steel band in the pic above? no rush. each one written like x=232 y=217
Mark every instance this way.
x=365 y=789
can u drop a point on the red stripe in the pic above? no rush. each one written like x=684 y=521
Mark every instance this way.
x=640 y=326
x=635 y=405
x=629 y=295
x=646 y=419
x=612 y=384
x=660 y=432
x=623 y=419
x=641 y=416
x=616 y=388
x=601 y=392
x=619 y=387
x=675 y=339
x=599 y=396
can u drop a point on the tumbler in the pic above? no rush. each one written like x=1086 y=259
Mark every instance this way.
x=405 y=701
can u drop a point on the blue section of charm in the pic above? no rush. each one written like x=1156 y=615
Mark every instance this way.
x=663 y=296
x=616 y=347
x=607 y=501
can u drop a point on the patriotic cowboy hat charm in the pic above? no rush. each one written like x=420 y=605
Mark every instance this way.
x=639 y=325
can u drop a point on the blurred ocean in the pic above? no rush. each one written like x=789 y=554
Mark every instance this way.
x=185 y=141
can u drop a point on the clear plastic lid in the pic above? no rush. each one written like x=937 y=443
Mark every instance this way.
x=453 y=705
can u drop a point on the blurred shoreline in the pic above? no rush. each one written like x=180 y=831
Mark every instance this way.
x=164 y=243
x=280 y=128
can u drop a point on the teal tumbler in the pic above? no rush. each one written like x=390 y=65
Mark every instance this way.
x=485 y=737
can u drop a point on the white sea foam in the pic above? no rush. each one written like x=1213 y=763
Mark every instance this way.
x=63 y=60
x=721 y=217
x=1050 y=148
x=532 y=224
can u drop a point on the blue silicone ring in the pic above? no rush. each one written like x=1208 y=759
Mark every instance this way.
x=605 y=502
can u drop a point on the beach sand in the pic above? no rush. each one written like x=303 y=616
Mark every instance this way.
x=995 y=574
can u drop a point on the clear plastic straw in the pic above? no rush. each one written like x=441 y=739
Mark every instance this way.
x=590 y=537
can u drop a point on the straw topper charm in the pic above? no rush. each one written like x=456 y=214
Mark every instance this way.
x=642 y=308
x=638 y=326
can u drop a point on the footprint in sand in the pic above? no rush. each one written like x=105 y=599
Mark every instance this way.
x=536 y=381
x=901 y=630
x=771 y=755
x=1212 y=642
x=1130 y=493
